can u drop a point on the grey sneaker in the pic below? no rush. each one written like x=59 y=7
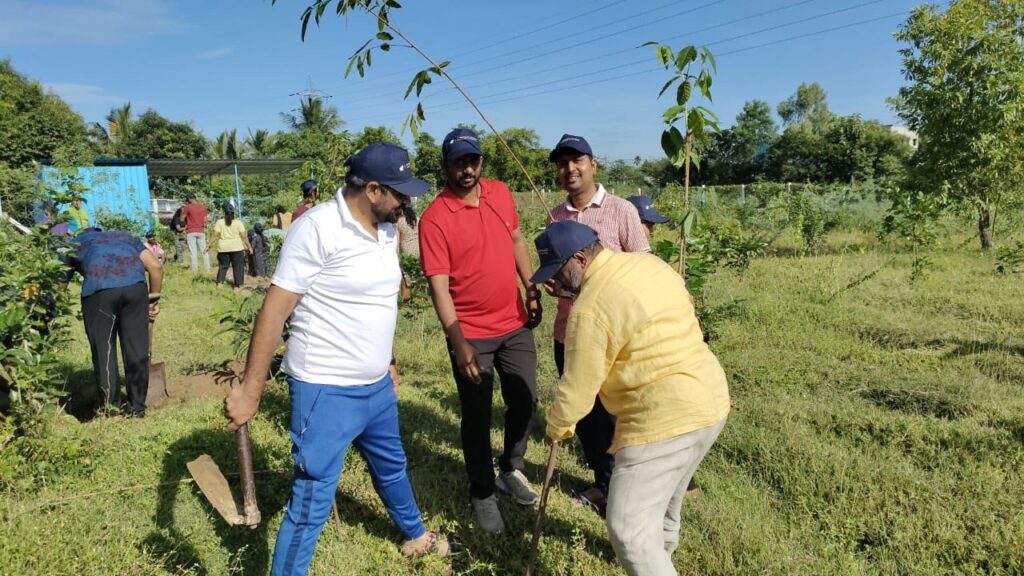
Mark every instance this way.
x=487 y=514
x=516 y=484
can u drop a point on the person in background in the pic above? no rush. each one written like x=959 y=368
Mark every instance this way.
x=650 y=216
x=620 y=230
x=232 y=244
x=260 y=250
x=337 y=281
x=282 y=218
x=194 y=213
x=309 y=197
x=78 y=218
x=117 y=304
x=472 y=252
x=177 y=226
x=633 y=338
x=153 y=246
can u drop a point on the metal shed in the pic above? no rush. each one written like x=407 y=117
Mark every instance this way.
x=120 y=186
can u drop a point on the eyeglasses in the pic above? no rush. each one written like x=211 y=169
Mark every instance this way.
x=402 y=198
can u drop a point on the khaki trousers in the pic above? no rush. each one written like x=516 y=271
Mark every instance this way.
x=645 y=499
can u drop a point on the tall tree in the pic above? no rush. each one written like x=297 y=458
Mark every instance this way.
x=965 y=99
x=226 y=146
x=371 y=134
x=428 y=159
x=737 y=155
x=259 y=144
x=153 y=136
x=809 y=104
x=34 y=124
x=313 y=114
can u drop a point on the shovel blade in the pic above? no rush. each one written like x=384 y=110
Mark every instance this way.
x=214 y=486
x=157 y=391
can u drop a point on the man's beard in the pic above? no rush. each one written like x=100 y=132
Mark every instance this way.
x=382 y=214
x=573 y=287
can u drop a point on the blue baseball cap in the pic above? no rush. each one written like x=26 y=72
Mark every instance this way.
x=570 y=142
x=648 y=212
x=460 y=142
x=557 y=244
x=307 y=187
x=388 y=165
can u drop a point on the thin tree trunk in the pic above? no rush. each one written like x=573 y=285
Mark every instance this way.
x=985 y=227
x=686 y=206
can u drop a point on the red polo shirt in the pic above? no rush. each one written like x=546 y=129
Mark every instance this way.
x=195 y=217
x=473 y=246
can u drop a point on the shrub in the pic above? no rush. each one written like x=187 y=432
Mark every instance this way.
x=30 y=284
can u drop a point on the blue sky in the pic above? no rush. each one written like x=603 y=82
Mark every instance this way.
x=555 y=66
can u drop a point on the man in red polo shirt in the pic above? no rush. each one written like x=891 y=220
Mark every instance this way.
x=194 y=214
x=472 y=251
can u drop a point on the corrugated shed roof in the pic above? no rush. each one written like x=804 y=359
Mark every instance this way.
x=166 y=167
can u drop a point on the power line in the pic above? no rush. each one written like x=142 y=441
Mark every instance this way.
x=489 y=60
x=644 y=60
x=489 y=99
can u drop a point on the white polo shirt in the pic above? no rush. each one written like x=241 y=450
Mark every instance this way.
x=344 y=325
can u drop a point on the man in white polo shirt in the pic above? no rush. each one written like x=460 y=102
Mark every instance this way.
x=338 y=279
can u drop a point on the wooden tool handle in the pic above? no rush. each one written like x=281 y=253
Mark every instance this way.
x=535 y=541
x=252 y=511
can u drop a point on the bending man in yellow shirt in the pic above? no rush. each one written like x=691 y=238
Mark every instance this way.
x=633 y=338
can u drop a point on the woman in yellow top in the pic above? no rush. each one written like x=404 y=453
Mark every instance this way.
x=232 y=244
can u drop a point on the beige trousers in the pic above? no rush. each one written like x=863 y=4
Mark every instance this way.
x=645 y=499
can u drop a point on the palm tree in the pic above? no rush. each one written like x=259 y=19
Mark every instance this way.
x=259 y=143
x=117 y=131
x=313 y=114
x=226 y=145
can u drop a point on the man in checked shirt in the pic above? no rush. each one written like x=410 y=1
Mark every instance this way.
x=619 y=229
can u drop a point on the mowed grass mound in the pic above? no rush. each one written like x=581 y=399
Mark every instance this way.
x=878 y=428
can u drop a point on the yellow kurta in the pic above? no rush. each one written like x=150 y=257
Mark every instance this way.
x=633 y=337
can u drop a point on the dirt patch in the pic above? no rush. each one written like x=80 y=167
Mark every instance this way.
x=214 y=384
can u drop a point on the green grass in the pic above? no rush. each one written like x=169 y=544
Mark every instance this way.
x=878 y=428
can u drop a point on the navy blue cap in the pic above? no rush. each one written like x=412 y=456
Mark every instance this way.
x=388 y=165
x=557 y=244
x=460 y=142
x=570 y=142
x=648 y=213
x=308 y=186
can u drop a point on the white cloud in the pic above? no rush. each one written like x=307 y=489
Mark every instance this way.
x=84 y=95
x=88 y=22
x=215 y=53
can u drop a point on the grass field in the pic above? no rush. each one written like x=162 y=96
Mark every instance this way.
x=878 y=428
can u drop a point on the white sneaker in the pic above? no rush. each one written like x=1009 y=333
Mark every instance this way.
x=487 y=514
x=516 y=484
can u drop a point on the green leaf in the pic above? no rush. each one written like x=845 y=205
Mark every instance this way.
x=392 y=4
x=688 y=221
x=673 y=113
x=684 y=57
x=360 y=67
x=694 y=122
x=384 y=36
x=419 y=111
x=320 y=10
x=368 y=57
x=648 y=43
x=412 y=85
x=683 y=92
x=667 y=85
x=672 y=143
x=351 y=63
x=385 y=47
x=710 y=58
x=444 y=64
x=305 y=22
x=664 y=55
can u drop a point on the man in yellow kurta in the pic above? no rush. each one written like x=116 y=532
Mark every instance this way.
x=633 y=338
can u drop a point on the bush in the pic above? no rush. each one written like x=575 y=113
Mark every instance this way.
x=30 y=276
